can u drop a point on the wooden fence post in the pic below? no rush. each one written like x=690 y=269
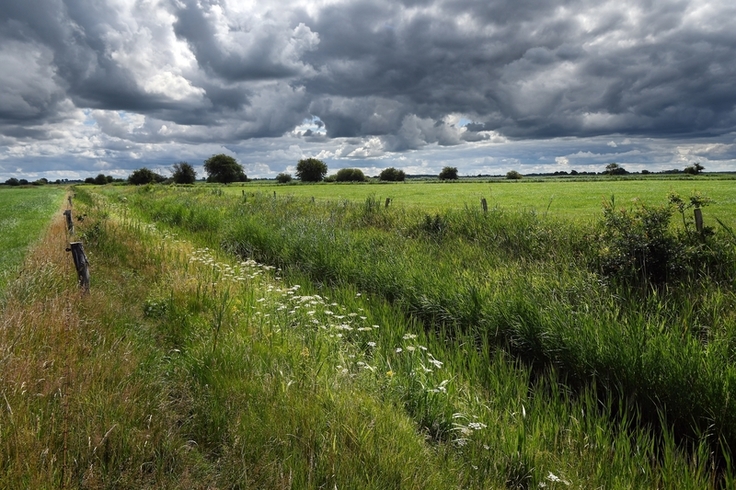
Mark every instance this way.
x=69 y=198
x=81 y=263
x=69 y=222
x=484 y=205
x=698 y=220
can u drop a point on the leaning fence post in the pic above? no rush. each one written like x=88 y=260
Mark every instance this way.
x=484 y=205
x=69 y=222
x=81 y=263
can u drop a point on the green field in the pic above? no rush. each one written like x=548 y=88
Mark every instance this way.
x=24 y=213
x=580 y=200
x=253 y=341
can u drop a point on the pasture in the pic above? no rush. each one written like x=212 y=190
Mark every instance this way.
x=568 y=199
x=24 y=214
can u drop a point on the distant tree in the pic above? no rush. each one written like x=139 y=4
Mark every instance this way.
x=41 y=181
x=283 y=178
x=89 y=180
x=448 y=173
x=645 y=172
x=224 y=169
x=350 y=175
x=513 y=175
x=615 y=169
x=183 y=173
x=23 y=182
x=100 y=179
x=144 y=176
x=694 y=169
x=12 y=181
x=311 y=170
x=392 y=175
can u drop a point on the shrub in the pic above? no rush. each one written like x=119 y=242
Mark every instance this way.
x=392 y=175
x=694 y=169
x=283 y=178
x=513 y=175
x=311 y=170
x=12 y=181
x=448 y=173
x=145 y=176
x=350 y=175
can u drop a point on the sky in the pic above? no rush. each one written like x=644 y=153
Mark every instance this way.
x=487 y=86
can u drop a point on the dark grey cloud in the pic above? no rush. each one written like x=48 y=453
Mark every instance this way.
x=358 y=79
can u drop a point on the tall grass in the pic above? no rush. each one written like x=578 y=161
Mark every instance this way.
x=525 y=282
x=185 y=367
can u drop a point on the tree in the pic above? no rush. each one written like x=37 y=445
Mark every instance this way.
x=144 y=176
x=448 y=173
x=224 y=169
x=513 y=175
x=311 y=170
x=100 y=179
x=184 y=173
x=12 y=181
x=350 y=175
x=392 y=175
x=615 y=169
x=694 y=169
x=283 y=178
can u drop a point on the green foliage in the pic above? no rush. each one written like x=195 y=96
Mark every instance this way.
x=513 y=175
x=283 y=178
x=12 y=181
x=448 y=173
x=639 y=246
x=391 y=174
x=350 y=175
x=311 y=170
x=615 y=169
x=184 y=173
x=144 y=176
x=694 y=169
x=224 y=169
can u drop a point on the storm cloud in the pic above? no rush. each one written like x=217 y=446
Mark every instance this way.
x=103 y=85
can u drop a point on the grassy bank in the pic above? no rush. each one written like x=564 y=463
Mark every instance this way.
x=534 y=288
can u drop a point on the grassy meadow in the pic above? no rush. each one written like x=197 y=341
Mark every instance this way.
x=253 y=341
x=25 y=214
x=562 y=198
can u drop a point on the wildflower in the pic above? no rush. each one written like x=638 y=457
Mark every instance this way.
x=371 y=344
x=390 y=374
x=399 y=350
x=411 y=348
x=476 y=425
x=409 y=336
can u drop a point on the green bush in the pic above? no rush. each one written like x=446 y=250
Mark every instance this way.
x=283 y=178
x=350 y=175
x=392 y=175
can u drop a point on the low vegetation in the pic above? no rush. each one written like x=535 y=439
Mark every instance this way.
x=264 y=342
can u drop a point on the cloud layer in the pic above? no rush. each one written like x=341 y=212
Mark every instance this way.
x=93 y=86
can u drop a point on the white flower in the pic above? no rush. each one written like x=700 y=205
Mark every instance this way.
x=399 y=350
x=409 y=336
x=371 y=344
